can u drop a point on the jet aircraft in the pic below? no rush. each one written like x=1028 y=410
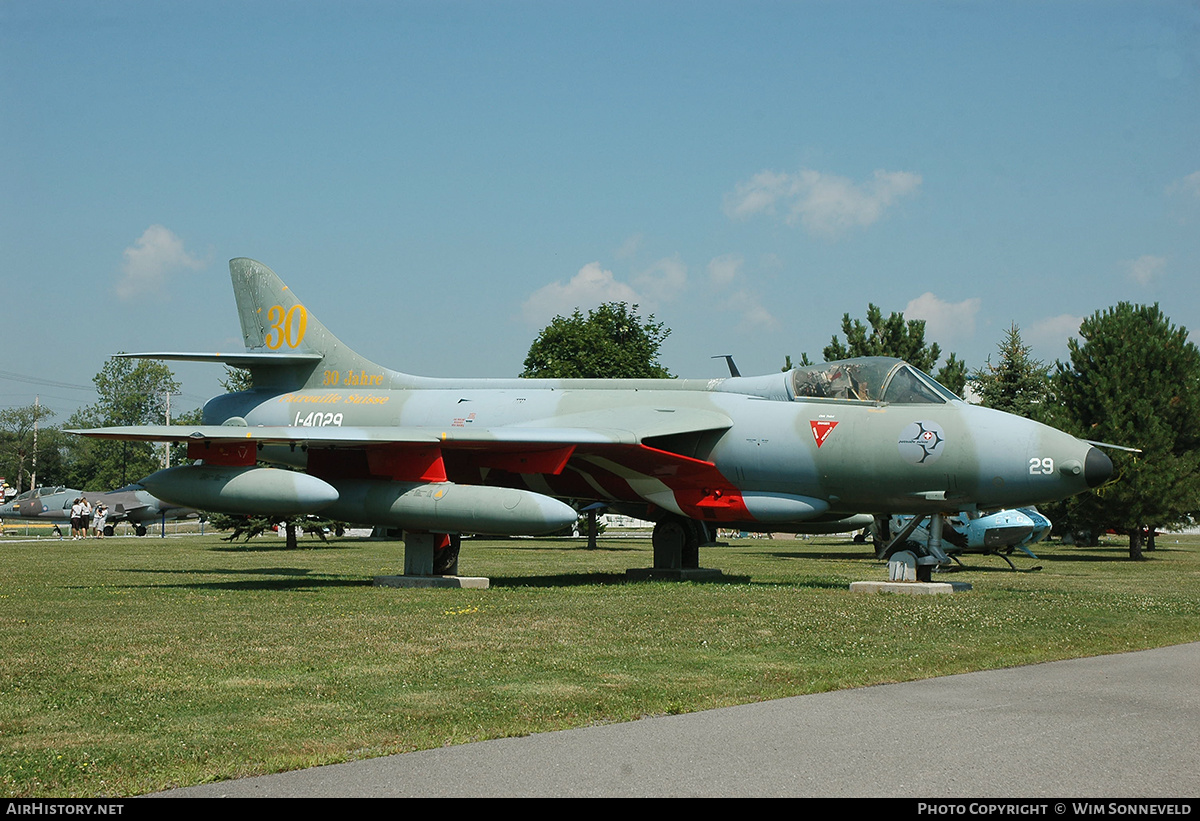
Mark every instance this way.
x=811 y=448
x=131 y=503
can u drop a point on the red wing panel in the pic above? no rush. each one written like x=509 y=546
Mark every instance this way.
x=700 y=490
x=595 y=472
x=402 y=463
x=407 y=463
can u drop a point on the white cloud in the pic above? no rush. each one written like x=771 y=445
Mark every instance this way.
x=824 y=204
x=591 y=287
x=630 y=246
x=1146 y=269
x=723 y=270
x=757 y=195
x=1187 y=185
x=157 y=254
x=1051 y=334
x=664 y=280
x=755 y=317
x=1183 y=196
x=945 y=322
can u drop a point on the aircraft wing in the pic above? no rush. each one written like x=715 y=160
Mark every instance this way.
x=622 y=453
x=618 y=426
x=262 y=434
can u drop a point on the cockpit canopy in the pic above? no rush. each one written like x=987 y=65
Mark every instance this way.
x=38 y=491
x=869 y=379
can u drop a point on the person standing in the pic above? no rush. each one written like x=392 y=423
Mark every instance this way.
x=85 y=518
x=75 y=517
x=99 y=521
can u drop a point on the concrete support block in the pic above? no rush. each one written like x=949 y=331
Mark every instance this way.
x=909 y=588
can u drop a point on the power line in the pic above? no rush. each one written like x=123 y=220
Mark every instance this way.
x=50 y=383
x=15 y=400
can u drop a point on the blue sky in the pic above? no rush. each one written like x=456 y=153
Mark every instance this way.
x=437 y=180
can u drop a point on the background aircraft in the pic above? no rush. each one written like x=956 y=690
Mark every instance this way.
x=811 y=447
x=131 y=503
x=997 y=533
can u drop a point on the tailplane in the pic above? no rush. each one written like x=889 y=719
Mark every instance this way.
x=287 y=346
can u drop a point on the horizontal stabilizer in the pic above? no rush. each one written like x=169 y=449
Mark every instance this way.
x=234 y=360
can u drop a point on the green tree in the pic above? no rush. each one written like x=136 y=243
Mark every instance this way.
x=1134 y=381
x=236 y=379
x=788 y=364
x=17 y=426
x=130 y=392
x=896 y=337
x=612 y=341
x=1017 y=383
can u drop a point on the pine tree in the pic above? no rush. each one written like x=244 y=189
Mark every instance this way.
x=788 y=364
x=899 y=338
x=1017 y=383
x=1134 y=381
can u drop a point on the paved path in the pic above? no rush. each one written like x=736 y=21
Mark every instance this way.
x=1112 y=726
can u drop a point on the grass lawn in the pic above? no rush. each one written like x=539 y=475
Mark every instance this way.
x=132 y=665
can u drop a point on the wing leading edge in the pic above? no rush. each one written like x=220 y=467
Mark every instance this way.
x=620 y=426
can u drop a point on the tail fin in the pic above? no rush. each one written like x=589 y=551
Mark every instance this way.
x=276 y=324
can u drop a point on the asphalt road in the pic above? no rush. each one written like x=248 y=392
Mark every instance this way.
x=1122 y=726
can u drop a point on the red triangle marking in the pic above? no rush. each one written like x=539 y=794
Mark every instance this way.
x=821 y=429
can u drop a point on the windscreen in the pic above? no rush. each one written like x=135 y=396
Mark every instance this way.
x=868 y=379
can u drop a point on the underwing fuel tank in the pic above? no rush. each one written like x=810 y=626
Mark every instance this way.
x=441 y=507
x=249 y=490
x=445 y=507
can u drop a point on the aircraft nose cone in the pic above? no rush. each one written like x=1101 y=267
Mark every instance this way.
x=1097 y=468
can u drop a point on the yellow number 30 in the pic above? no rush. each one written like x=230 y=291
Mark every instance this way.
x=286 y=326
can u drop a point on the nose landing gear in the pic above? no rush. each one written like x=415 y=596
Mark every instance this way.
x=929 y=555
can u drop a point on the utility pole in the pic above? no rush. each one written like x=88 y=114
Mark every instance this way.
x=166 y=459
x=167 y=445
x=37 y=399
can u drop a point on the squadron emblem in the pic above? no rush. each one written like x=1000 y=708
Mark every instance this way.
x=922 y=443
